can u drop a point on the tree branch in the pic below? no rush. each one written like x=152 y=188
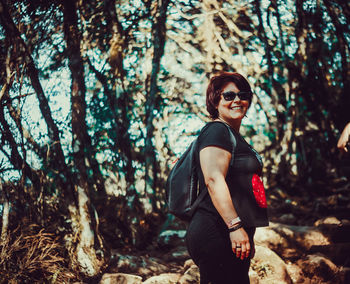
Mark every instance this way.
x=57 y=159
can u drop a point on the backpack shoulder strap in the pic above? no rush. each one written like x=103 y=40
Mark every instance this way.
x=232 y=138
x=203 y=193
x=233 y=141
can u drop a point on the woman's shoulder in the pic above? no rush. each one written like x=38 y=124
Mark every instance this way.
x=215 y=127
x=215 y=133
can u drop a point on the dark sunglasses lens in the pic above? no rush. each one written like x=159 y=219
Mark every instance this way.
x=245 y=96
x=229 y=96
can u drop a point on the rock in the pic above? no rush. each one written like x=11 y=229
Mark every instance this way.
x=126 y=262
x=269 y=267
x=339 y=253
x=168 y=278
x=332 y=199
x=188 y=263
x=171 y=238
x=327 y=221
x=279 y=237
x=268 y=237
x=144 y=266
x=337 y=231
x=191 y=276
x=180 y=254
x=321 y=269
x=253 y=277
x=120 y=278
x=287 y=219
x=296 y=273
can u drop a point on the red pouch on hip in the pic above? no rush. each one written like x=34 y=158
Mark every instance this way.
x=259 y=191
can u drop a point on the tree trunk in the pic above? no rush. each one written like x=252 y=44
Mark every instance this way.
x=16 y=159
x=88 y=261
x=159 y=33
x=81 y=140
x=122 y=142
x=5 y=214
x=84 y=255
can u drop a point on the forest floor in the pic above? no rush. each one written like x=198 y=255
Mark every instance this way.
x=308 y=241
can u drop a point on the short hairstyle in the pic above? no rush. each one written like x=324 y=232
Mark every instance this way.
x=217 y=83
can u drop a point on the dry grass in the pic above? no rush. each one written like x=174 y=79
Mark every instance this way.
x=34 y=257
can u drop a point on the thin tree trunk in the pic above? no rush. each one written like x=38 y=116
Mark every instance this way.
x=122 y=121
x=38 y=149
x=5 y=214
x=81 y=140
x=5 y=219
x=159 y=33
x=280 y=31
x=89 y=263
x=274 y=95
x=16 y=159
x=122 y=141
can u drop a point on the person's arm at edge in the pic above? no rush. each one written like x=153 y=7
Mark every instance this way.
x=214 y=163
x=344 y=138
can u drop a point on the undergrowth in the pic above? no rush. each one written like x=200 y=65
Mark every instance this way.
x=33 y=255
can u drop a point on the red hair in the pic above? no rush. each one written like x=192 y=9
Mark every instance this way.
x=217 y=83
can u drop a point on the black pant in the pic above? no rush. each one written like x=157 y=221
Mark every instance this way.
x=209 y=246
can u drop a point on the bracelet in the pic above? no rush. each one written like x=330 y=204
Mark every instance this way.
x=233 y=222
x=235 y=228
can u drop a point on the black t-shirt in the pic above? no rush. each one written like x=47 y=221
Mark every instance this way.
x=241 y=175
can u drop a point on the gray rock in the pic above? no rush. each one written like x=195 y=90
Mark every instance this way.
x=296 y=273
x=191 y=276
x=320 y=268
x=269 y=267
x=180 y=254
x=280 y=237
x=287 y=219
x=171 y=238
x=165 y=278
x=327 y=221
x=188 y=263
x=120 y=278
x=144 y=266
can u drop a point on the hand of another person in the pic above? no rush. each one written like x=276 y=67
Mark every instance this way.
x=240 y=243
x=344 y=138
x=342 y=143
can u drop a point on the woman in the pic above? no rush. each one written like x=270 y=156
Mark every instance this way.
x=220 y=235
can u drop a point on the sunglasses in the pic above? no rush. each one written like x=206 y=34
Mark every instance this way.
x=243 y=96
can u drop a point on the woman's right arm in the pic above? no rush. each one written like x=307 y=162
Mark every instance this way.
x=214 y=163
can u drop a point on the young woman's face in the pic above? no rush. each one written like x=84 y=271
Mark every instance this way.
x=232 y=110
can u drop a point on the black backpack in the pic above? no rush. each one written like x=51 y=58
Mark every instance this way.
x=182 y=189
